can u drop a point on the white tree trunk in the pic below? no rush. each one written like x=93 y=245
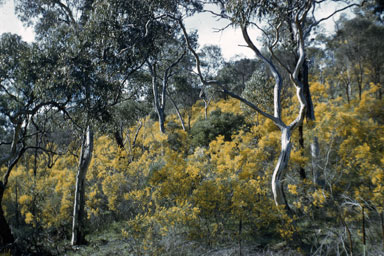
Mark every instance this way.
x=315 y=152
x=78 y=235
x=281 y=168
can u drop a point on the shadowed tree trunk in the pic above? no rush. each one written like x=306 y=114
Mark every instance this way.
x=6 y=236
x=10 y=161
x=118 y=139
x=301 y=143
x=78 y=225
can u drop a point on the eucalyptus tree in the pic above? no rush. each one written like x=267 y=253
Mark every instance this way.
x=12 y=116
x=100 y=44
x=211 y=62
x=162 y=67
x=184 y=90
x=275 y=15
x=235 y=74
x=357 y=47
x=23 y=99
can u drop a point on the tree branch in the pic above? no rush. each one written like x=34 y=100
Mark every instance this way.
x=330 y=16
x=272 y=68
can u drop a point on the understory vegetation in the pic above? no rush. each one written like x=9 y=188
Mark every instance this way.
x=170 y=193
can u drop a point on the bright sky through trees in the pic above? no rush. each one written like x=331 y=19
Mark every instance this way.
x=230 y=40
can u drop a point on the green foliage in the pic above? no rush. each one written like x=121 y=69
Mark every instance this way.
x=218 y=123
x=259 y=90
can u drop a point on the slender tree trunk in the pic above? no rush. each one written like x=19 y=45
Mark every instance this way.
x=161 y=115
x=17 y=205
x=178 y=112
x=363 y=230
x=159 y=106
x=78 y=229
x=348 y=233
x=310 y=115
x=132 y=144
x=301 y=142
x=359 y=79
x=382 y=226
x=6 y=236
x=206 y=103
x=315 y=151
x=240 y=240
x=281 y=168
x=189 y=119
x=347 y=89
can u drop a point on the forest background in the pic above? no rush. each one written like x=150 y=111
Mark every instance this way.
x=120 y=135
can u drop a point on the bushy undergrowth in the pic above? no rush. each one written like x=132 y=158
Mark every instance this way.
x=207 y=191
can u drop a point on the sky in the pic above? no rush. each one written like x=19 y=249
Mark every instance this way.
x=10 y=23
x=230 y=40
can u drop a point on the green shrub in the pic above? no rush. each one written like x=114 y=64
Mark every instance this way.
x=217 y=123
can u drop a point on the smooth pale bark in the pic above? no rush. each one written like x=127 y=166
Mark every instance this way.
x=159 y=107
x=315 y=152
x=281 y=168
x=286 y=130
x=78 y=234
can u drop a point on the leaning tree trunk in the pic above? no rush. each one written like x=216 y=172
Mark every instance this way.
x=178 y=112
x=78 y=234
x=6 y=236
x=281 y=168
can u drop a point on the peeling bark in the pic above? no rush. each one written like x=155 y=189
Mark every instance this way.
x=78 y=229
